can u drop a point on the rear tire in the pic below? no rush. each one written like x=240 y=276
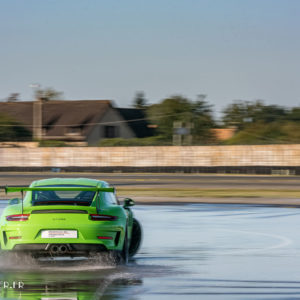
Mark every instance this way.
x=136 y=238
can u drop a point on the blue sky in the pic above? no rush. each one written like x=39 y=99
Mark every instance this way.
x=93 y=49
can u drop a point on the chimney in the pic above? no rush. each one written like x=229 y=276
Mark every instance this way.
x=37 y=119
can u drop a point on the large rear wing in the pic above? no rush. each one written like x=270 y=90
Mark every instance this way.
x=13 y=189
x=22 y=189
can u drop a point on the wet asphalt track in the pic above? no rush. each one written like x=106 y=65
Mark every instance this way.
x=195 y=251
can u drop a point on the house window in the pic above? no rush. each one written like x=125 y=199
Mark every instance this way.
x=110 y=131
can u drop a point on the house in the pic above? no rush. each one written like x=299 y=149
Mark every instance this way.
x=79 y=121
x=223 y=134
x=136 y=120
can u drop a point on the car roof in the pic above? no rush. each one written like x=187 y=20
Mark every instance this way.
x=70 y=181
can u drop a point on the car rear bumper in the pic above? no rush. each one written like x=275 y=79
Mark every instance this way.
x=58 y=249
x=109 y=236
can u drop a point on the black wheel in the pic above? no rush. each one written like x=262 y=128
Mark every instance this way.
x=136 y=237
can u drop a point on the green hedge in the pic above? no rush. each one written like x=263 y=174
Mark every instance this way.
x=148 y=141
x=53 y=143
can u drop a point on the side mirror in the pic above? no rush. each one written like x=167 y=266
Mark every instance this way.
x=128 y=202
x=14 y=201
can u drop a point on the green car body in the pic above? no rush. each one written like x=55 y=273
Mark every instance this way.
x=69 y=217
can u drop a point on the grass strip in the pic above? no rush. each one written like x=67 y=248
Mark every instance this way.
x=210 y=193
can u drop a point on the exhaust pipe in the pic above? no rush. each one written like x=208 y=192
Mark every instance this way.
x=62 y=249
x=54 y=249
x=58 y=249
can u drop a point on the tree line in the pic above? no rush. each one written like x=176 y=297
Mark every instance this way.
x=253 y=122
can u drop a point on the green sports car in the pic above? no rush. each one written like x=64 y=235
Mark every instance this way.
x=69 y=217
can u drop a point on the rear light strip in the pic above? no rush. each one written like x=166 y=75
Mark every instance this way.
x=96 y=217
x=15 y=237
x=104 y=237
x=21 y=217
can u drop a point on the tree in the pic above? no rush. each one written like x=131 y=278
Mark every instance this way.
x=12 y=130
x=242 y=113
x=239 y=113
x=164 y=114
x=271 y=113
x=267 y=133
x=13 y=97
x=203 y=121
x=293 y=114
x=178 y=108
x=139 y=100
x=47 y=94
x=258 y=123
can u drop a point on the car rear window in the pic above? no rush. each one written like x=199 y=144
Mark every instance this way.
x=53 y=197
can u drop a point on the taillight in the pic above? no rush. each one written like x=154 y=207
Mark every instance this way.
x=22 y=217
x=96 y=217
x=104 y=238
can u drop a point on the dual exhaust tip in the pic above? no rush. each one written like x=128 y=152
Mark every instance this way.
x=58 y=249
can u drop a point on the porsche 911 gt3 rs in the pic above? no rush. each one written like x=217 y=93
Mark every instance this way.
x=69 y=217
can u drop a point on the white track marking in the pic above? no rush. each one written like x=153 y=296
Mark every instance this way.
x=284 y=242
